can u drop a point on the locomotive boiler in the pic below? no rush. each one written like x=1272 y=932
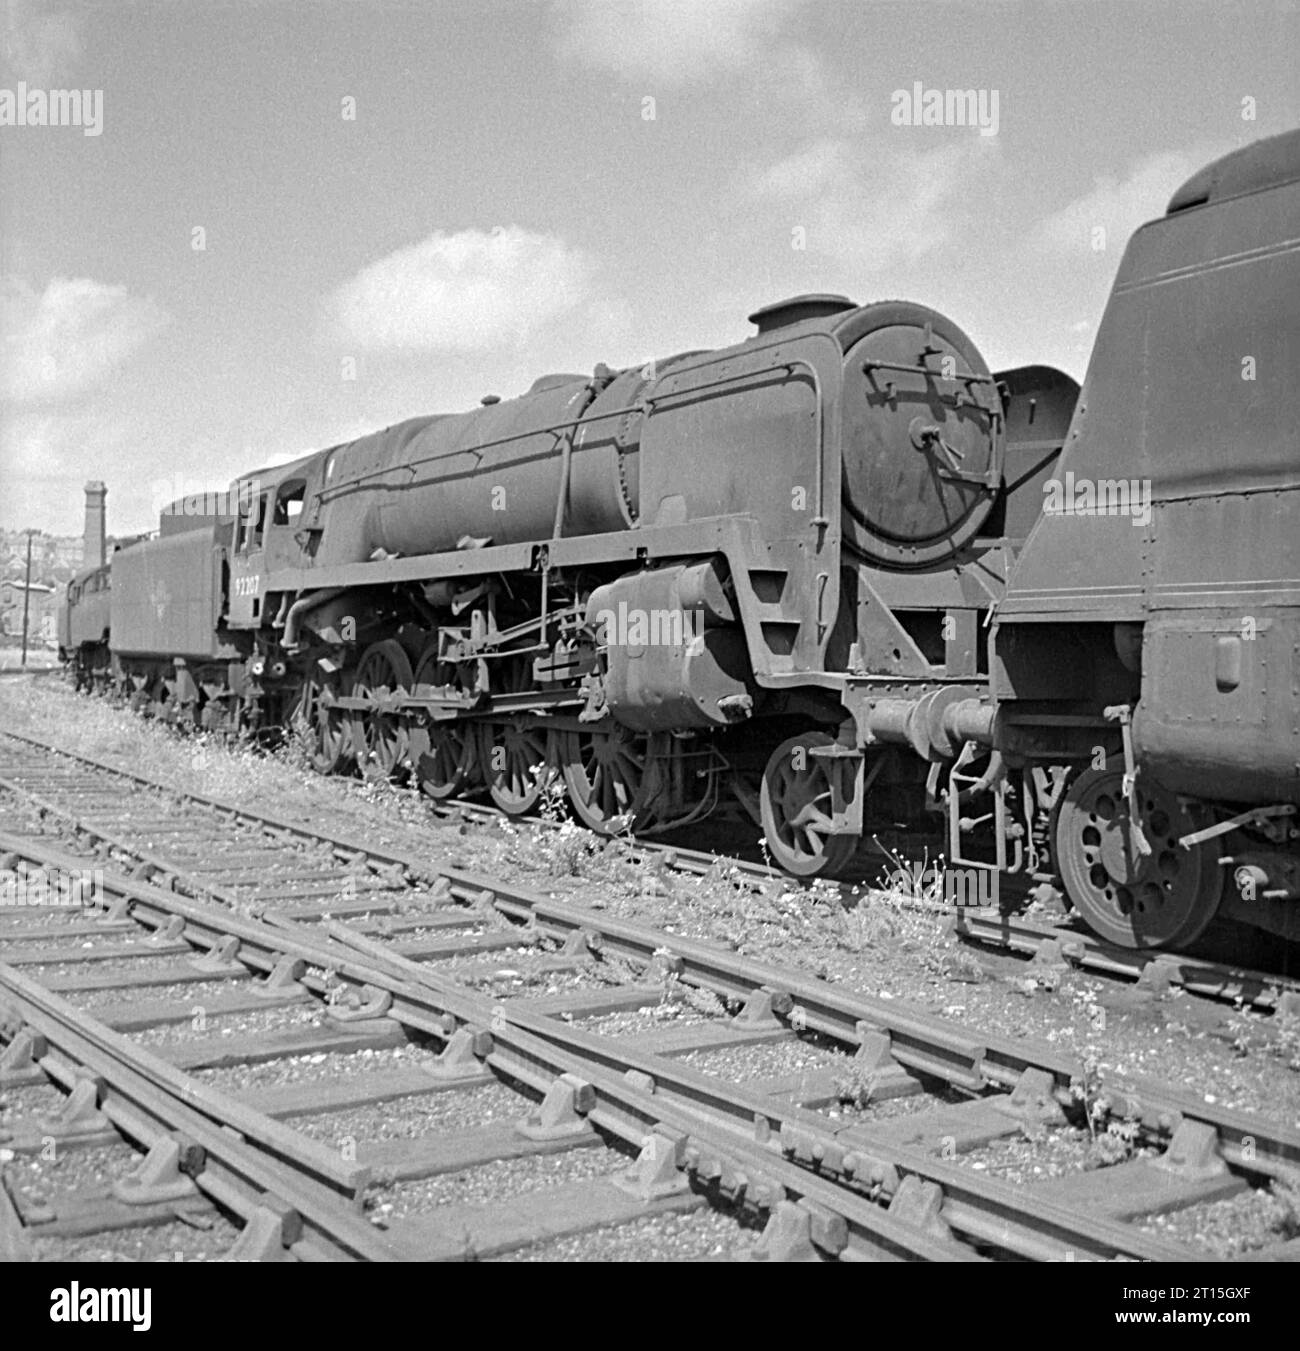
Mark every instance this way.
x=685 y=438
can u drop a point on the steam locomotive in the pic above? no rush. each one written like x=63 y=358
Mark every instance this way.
x=811 y=576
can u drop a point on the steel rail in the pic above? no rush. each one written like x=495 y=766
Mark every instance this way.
x=214 y=1179
x=918 y=1041
x=755 y=1174
x=320 y=1190
x=686 y=860
x=986 y=1208
x=704 y=1107
x=1207 y=978
x=1223 y=982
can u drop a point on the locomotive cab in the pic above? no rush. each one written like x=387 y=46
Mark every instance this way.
x=268 y=535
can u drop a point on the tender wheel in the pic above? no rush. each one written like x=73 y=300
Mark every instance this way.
x=445 y=755
x=604 y=772
x=516 y=755
x=380 y=738
x=796 y=809
x=320 y=729
x=1164 y=899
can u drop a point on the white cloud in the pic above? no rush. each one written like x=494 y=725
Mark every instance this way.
x=464 y=292
x=45 y=458
x=1120 y=205
x=872 y=208
x=64 y=341
x=806 y=172
x=40 y=47
x=672 y=41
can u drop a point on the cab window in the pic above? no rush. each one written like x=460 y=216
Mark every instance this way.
x=251 y=523
x=289 y=502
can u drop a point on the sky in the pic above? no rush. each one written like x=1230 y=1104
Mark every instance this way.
x=290 y=222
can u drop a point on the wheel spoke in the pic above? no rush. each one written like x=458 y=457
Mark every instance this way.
x=796 y=806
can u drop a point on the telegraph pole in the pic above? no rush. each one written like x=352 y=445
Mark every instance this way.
x=27 y=596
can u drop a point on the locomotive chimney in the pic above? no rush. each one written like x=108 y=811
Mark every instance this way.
x=783 y=313
x=93 y=544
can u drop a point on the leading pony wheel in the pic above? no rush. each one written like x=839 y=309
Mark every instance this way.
x=320 y=729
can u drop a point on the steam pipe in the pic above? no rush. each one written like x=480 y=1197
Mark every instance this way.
x=299 y=608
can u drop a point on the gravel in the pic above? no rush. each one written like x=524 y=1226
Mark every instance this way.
x=771 y=1061
x=453 y=965
x=20 y=925
x=499 y=1181
x=700 y=1236
x=517 y=982
x=89 y=1167
x=314 y=1068
x=24 y=1100
x=874 y=1111
x=116 y=966
x=204 y=1238
x=189 y=993
x=1045 y=1152
x=416 y=1117
x=290 y=1017
x=1241 y=1224
x=635 y=1022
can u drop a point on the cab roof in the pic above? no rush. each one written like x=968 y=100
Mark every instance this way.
x=275 y=473
x=1265 y=164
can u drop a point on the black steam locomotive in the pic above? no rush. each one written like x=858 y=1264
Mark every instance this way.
x=813 y=574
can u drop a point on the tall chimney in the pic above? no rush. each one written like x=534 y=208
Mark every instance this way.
x=93 y=548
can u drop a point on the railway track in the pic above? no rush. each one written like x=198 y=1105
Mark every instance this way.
x=390 y=954
x=311 y=1190
x=1047 y=945
x=82 y=793
x=1055 y=946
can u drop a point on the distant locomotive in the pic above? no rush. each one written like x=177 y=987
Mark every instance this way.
x=768 y=574
x=83 y=628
